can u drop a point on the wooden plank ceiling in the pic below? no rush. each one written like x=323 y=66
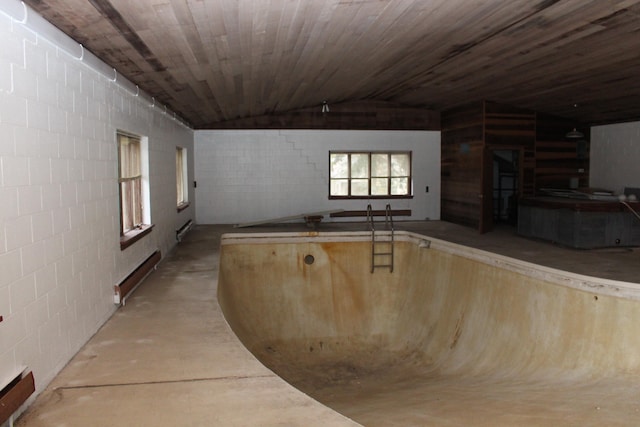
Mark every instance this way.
x=213 y=61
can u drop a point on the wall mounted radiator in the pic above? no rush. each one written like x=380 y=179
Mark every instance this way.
x=180 y=232
x=14 y=393
x=124 y=288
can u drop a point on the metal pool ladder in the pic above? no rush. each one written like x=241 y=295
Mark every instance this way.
x=381 y=244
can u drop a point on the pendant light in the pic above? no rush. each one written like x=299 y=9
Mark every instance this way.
x=574 y=134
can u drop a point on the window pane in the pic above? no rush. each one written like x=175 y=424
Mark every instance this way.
x=399 y=186
x=400 y=165
x=123 y=153
x=127 y=201
x=125 y=214
x=129 y=156
x=379 y=186
x=359 y=166
x=180 y=177
x=379 y=165
x=137 y=202
x=130 y=200
x=339 y=166
x=339 y=187
x=359 y=187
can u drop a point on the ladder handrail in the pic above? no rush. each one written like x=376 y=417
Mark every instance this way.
x=373 y=237
x=388 y=222
x=388 y=217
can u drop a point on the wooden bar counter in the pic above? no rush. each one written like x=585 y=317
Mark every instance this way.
x=579 y=223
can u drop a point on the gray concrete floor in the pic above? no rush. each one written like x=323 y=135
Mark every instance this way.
x=169 y=358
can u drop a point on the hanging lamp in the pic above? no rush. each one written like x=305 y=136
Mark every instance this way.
x=574 y=134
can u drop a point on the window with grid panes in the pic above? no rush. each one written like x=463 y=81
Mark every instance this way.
x=373 y=174
x=130 y=181
x=133 y=186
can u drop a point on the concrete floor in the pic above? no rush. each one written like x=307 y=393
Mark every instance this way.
x=169 y=358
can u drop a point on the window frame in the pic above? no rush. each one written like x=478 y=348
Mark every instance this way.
x=368 y=196
x=139 y=200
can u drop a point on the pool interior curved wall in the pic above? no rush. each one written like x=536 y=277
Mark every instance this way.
x=453 y=335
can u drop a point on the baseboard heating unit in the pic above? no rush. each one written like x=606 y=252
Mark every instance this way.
x=15 y=392
x=180 y=232
x=124 y=288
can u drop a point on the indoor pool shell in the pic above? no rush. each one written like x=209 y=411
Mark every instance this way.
x=453 y=336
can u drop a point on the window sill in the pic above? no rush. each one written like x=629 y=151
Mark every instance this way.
x=183 y=206
x=132 y=236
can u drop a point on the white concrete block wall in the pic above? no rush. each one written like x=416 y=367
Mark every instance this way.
x=246 y=176
x=615 y=156
x=59 y=217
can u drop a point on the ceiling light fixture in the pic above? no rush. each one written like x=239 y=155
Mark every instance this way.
x=574 y=134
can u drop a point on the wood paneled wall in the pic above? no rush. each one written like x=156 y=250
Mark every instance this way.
x=462 y=146
x=511 y=128
x=559 y=159
x=363 y=115
x=548 y=158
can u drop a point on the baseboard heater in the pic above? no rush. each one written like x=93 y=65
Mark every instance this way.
x=180 y=232
x=124 y=288
x=15 y=393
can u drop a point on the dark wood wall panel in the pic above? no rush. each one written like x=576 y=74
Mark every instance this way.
x=558 y=159
x=528 y=180
x=513 y=128
x=461 y=156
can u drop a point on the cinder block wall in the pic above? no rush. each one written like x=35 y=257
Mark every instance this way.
x=59 y=216
x=251 y=175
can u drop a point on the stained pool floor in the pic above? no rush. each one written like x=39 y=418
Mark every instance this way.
x=169 y=358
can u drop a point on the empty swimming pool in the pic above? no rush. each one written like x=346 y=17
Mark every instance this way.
x=454 y=336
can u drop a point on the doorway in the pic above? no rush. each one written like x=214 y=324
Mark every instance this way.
x=506 y=178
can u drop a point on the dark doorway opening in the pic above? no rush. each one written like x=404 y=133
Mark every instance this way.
x=505 y=186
